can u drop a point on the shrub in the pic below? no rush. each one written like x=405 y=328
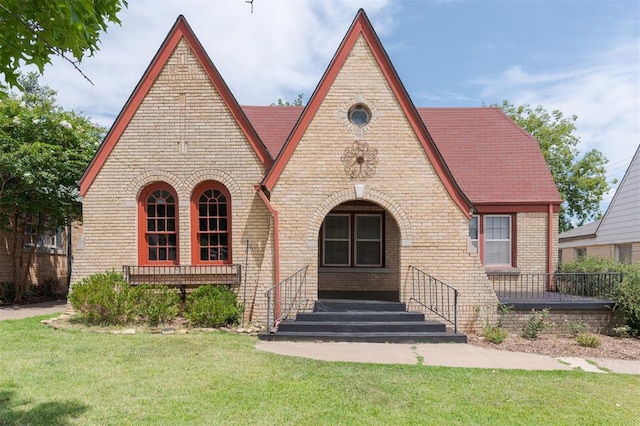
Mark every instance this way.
x=622 y=331
x=7 y=292
x=49 y=286
x=494 y=334
x=577 y=327
x=156 y=305
x=588 y=340
x=627 y=297
x=538 y=322
x=104 y=299
x=212 y=306
x=592 y=264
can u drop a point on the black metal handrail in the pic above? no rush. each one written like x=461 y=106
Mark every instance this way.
x=557 y=286
x=435 y=295
x=289 y=293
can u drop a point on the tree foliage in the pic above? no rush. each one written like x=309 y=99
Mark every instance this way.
x=31 y=31
x=43 y=153
x=580 y=180
x=296 y=102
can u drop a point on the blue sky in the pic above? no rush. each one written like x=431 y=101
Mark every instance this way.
x=581 y=57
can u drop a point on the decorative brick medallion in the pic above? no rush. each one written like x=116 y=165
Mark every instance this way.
x=359 y=160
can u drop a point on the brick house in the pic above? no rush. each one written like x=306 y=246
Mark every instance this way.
x=359 y=187
x=50 y=265
x=617 y=235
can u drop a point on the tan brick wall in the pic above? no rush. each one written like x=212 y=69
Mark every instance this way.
x=531 y=242
x=598 y=320
x=604 y=251
x=433 y=230
x=182 y=134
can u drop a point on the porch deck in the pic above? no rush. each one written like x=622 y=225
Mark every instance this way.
x=560 y=291
x=552 y=300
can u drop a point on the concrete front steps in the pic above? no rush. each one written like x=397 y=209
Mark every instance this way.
x=337 y=320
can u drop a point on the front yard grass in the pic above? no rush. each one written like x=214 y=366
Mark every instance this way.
x=76 y=377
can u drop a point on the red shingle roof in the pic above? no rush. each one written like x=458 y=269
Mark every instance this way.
x=491 y=158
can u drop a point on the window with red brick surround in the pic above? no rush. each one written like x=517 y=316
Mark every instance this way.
x=210 y=224
x=158 y=225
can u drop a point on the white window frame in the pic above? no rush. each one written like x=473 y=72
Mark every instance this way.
x=357 y=239
x=46 y=240
x=509 y=240
x=325 y=239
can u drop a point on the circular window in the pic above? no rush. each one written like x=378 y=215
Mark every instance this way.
x=359 y=115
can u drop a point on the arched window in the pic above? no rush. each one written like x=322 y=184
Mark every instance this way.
x=158 y=225
x=210 y=224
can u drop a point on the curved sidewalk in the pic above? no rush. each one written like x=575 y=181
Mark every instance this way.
x=32 y=310
x=445 y=355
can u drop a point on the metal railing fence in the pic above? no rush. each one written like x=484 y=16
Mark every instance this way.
x=435 y=295
x=285 y=298
x=556 y=286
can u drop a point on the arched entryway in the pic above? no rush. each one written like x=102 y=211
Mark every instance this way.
x=359 y=253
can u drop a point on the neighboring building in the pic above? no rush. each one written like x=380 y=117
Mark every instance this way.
x=358 y=186
x=617 y=235
x=50 y=261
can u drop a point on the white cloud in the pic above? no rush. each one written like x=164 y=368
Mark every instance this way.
x=603 y=92
x=279 y=50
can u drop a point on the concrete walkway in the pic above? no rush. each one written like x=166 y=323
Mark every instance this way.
x=32 y=310
x=441 y=354
x=444 y=354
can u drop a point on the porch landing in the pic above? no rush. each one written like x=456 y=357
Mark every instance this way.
x=374 y=321
x=553 y=300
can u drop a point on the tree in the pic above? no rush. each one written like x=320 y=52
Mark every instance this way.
x=31 y=31
x=581 y=181
x=296 y=102
x=43 y=153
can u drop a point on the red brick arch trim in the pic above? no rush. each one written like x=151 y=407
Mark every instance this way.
x=377 y=197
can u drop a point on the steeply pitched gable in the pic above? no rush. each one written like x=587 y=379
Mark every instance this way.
x=621 y=222
x=362 y=27
x=179 y=31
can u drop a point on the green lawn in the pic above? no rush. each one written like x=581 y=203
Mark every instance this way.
x=76 y=377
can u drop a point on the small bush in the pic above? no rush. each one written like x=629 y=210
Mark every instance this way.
x=588 y=340
x=495 y=335
x=212 y=306
x=104 y=299
x=627 y=297
x=577 y=327
x=538 y=322
x=7 y=292
x=592 y=264
x=48 y=287
x=157 y=305
x=622 y=331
